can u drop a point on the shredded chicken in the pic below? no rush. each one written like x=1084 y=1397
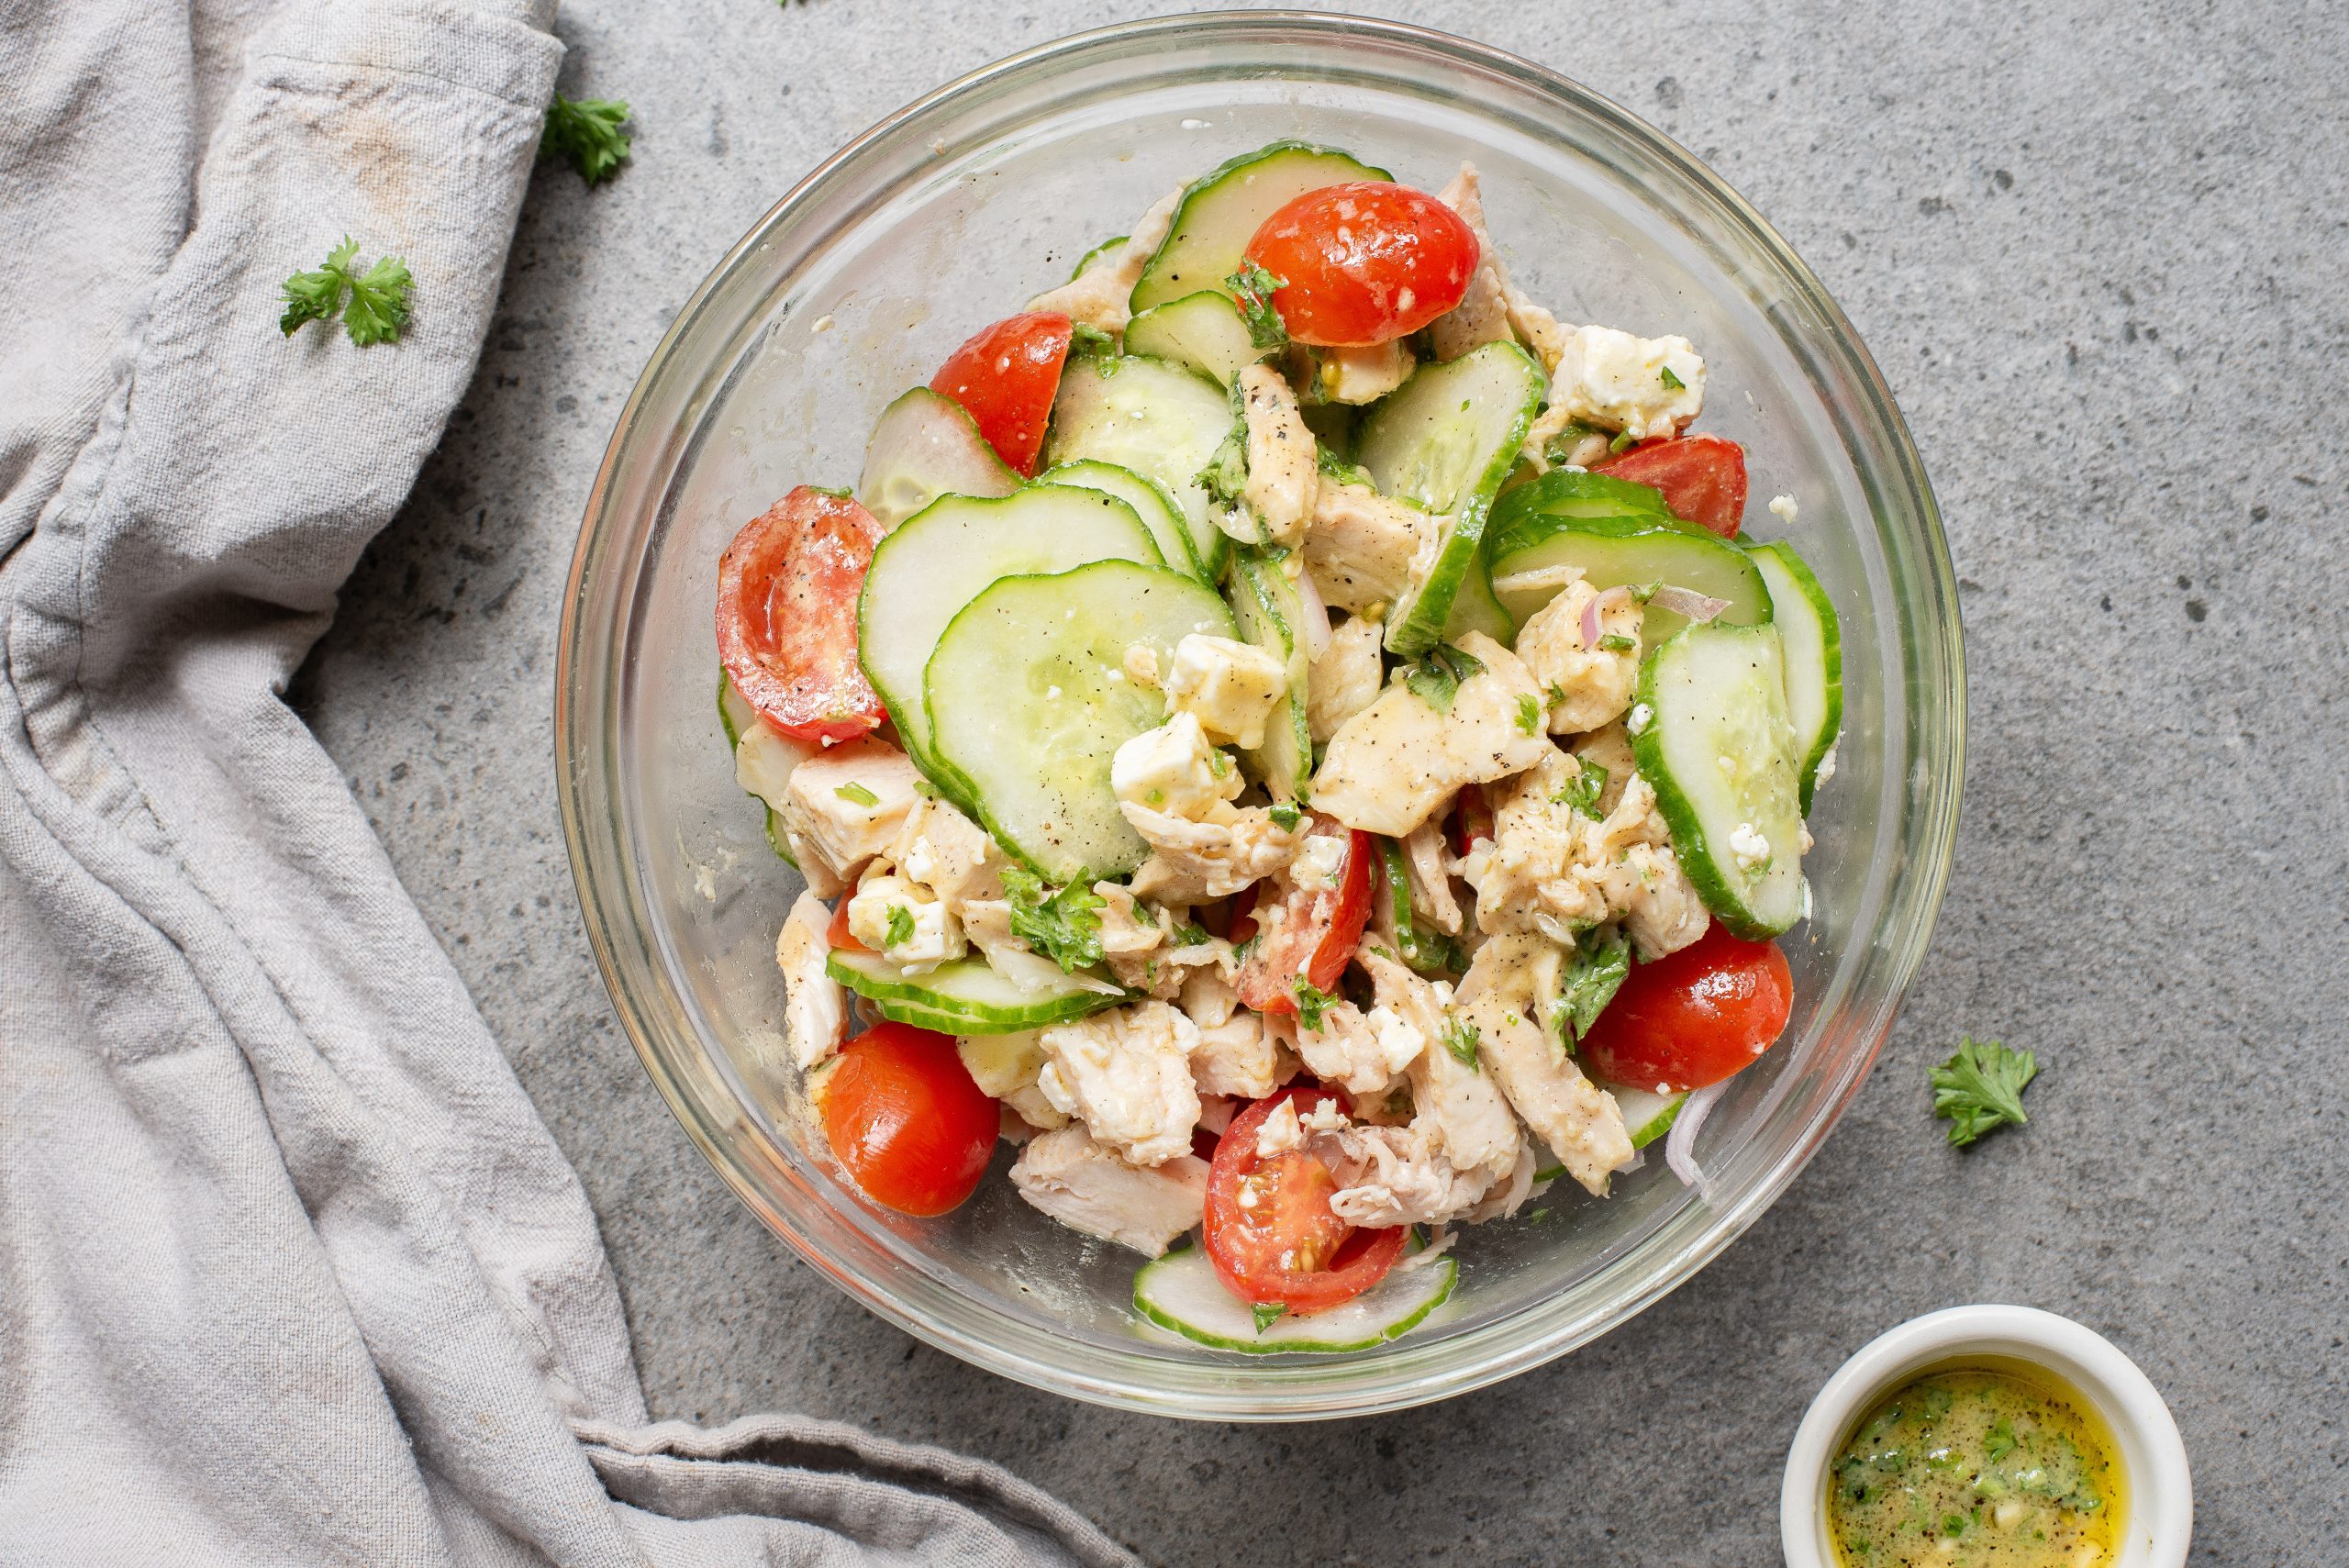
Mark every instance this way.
x=1365 y=550
x=1454 y=1104
x=1099 y=298
x=1085 y=1187
x=1588 y=449
x=1364 y=376
x=1423 y=862
x=1390 y=767
x=1125 y=1074
x=1283 y=464
x=1362 y=1053
x=1482 y=315
x=1346 y=678
x=832 y=834
x=815 y=1005
x=1609 y=747
x=1585 y=686
x=1194 y=862
x=1577 y=1120
x=1133 y=939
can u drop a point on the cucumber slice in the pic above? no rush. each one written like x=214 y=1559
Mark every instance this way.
x=964 y=997
x=1147 y=497
x=1202 y=330
x=1428 y=951
x=1028 y=701
x=1709 y=728
x=1164 y=421
x=1268 y=612
x=765 y=767
x=1446 y=440
x=1221 y=210
x=1806 y=621
x=1647 y=1115
x=1564 y=494
x=1101 y=255
x=944 y=557
x=1476 y=607
x=1181 y=1292
x=1640 y=549
x=924 y=446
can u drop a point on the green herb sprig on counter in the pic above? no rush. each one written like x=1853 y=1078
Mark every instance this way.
x=373 y=303
x=586 y=133
x=1980 y=1089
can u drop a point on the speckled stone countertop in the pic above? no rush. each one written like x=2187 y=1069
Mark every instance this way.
x=2099 y=252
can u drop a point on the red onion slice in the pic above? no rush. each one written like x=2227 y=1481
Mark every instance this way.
x=1680 y=1143
x=1597 y=606
x=1687 y=602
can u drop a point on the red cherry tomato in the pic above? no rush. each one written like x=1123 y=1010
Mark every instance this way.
x=1692 y=1017
x=902 y=1113
x=1316 y=932
x=1283 y=1243
x=1472 y=818
x=1005 y=378
x=1702 y=478
x=1365 y=262
x=786 y=616
x=837 y=935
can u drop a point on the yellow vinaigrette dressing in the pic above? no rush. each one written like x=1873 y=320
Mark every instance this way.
x=1988 y=1464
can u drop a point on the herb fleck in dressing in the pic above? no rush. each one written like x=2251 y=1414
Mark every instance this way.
x=1976 y=1467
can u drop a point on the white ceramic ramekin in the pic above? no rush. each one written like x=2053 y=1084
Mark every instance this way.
x=2161 y=1492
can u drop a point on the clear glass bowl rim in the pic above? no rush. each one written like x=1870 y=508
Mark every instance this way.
x=1403 y=1374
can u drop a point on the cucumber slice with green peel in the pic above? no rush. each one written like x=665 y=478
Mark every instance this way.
x=1269 y=613
x=1028 y=701
x=1100 y=255
x=1181 y=1292
x=1709 y=728
x=964 y=996
x=1202 y=330
x=1428 y=951
x=1446 y=440
x=1146 y=496
x=1476 y=607
x=1564 y=494
x=1638 y=549
x=1647 y=1115
x=763 y=768
x=1805 y=620
x=924 y=446
x=1221 y=210
x=1162 y=420
x=945 y=555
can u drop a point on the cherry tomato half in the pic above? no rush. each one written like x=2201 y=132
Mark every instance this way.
x=1316 y=931
x=1269 y=1230
x=1702 y=478
x=1005 y=377
x=1365 y=262
x=1692 y=1017
x=1472 y=818
x=786 y=616
x=836 y=934
x=902 y=1113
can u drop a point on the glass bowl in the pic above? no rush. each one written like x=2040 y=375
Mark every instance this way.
x=946 y=215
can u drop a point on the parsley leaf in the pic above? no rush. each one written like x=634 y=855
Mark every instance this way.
x=1312 y=1002
x=1582 y=795
x=1065 y=927
x=1285 y=815
x=1616 y=642
x=1268 y=1313
x=1188 y=935
x=1251 y=290
x=1436 y=678
x=1597 y=972
x=1332 y=466
x=1225 y=477
x=374 y=304
x=1672 y=381
x=1460 y=1037
x=1560 y=450
x=587 y=132
x=1528 y=717
x=1624 y=441
x=1247 y=950
x=1085 y=341
x=1980 y=1088
x=901 y=925
x=857 y=794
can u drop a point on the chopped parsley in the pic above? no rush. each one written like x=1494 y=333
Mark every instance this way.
x=1599 y=966
x=1460 y=1037
x=1285 y=815
x=1332 y=466
x=373 y=303
x=1623 y=442
x=1672 y=381
x=1435 y=679
x=1268 y=1313
x=1560 y=449
x=1251 y=290
x=1085 y=341
x=1312 y=1002
x=901 y=925
x=1065 y=927
x=1582 y=795
x=587 y=132
x=1247 y=950
x=1225 y=478
x=1980 y=1088
x=1219 y=764
x=1188 y=935
x=857 y=794
x=1616 y=642
x=1528 y=716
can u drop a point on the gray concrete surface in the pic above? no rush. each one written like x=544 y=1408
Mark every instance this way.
x=2099 y=252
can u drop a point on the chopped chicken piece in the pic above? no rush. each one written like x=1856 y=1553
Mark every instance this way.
x=1535 y=327
x=1005 y=1066
x=1099 y=298
x=1362 y=1053
x=1365 y=550
x=1174 y=770
x=1423 y=862
x=1395 y=1175
x=948 y=854
x=898 y=919
x=1203 y=848
x=1391 y=766
x=1282 y=465
x=1608 y=747
x=1579 y=1121
x=1237 y=1056
x=1141 y=665
x=1588 y=449
x=1207 y=997
x=1364 y=376
x=1283 y=1130
x=1346 y=678
x=1642 y=386
x=1482 y=315
x=1125 y=1074
x=1507 y=1194
x=1455 y=1105
x=815 y=1005
x=1585 y=686
x=1069 y=1177
x=1229 y=688
x=843 y=807
x=1134 y=941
